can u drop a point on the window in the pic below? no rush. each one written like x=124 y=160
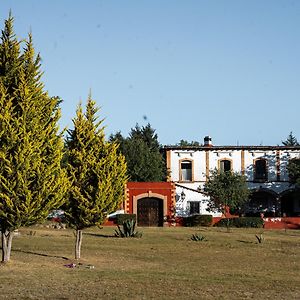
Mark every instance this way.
x=194 y=207
x=225 y=165
x=186 y=170
x=260 y=170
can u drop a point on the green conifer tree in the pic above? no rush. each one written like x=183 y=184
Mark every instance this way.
x=97 y=173
x=141 y=149
x=293 y=168
x=32 y=181
x=291 y=140
x=185 y=143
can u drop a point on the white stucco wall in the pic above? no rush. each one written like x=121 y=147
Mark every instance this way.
x=238 y=159
x=196 y=156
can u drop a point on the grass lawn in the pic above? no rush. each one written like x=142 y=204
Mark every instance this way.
x=163 y=264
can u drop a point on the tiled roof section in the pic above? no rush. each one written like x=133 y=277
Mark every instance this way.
x=214 y=148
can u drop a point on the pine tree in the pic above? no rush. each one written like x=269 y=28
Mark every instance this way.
x=32 y=181
x=97 y=173
x=147 y=134
x=291 y=140
x=185 y=143
x=142 y=152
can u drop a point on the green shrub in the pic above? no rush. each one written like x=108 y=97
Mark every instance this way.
x=127 y=230
x=245 y=222
x=121 y=218
x=198 y=220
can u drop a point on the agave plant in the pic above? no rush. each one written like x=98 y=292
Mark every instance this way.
x=198 y=237
x=127 y=230
x=260 y=238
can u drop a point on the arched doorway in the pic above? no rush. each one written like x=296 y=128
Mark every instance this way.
x=263 y=202
x=150 y=212
x=290 y=203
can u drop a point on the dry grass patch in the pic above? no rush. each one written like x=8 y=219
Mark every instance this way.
x=163 y=264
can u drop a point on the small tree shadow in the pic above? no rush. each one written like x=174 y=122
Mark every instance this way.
x=245 y=242
x=40 y=254
x=99 y=235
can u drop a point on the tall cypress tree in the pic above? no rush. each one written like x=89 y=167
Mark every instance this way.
x=97 y=173
x=32 y=181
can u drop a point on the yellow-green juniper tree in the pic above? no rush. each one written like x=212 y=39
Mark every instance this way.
x=97 y=173
x=32 y=181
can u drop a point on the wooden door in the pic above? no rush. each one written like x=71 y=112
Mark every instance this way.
x=150 y=212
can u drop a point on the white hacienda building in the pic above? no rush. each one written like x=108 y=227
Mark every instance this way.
x=265 y=168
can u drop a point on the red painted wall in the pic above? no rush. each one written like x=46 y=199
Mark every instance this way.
x=165 y=189
x=137 y=188
x=282 y=223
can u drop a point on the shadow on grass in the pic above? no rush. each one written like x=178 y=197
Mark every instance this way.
x=40 y=254
x=245 y=242
x=99 y=235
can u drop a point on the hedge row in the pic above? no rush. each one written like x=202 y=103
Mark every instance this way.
x=205 y=220
x=245 y=222
x=198 y=220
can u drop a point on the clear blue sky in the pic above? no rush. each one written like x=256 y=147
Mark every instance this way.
x=229 y=69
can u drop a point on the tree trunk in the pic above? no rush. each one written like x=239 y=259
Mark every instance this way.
x=6 y=238
x=226 y=215
x=78 y=243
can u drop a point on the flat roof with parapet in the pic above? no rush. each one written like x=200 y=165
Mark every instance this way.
x=262 y=148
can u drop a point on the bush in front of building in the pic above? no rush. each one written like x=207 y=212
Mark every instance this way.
x=242 y=222
x=121 y=218
x=198 y=220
